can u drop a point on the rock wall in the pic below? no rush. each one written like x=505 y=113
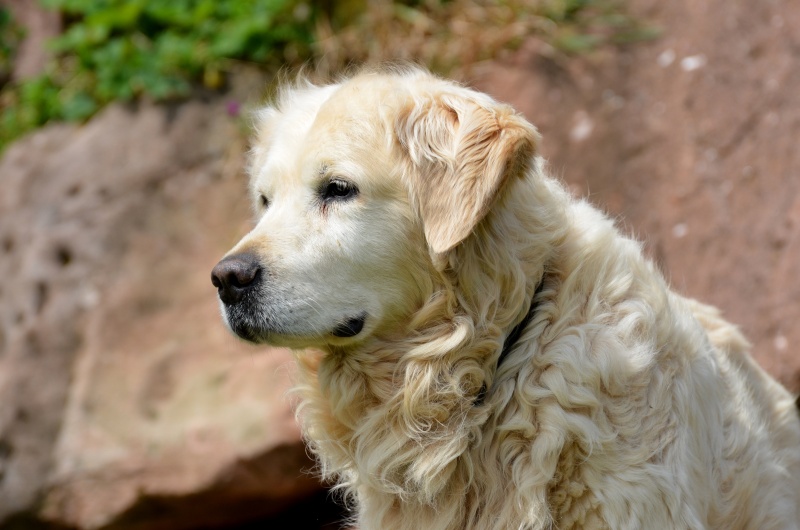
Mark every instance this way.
x=690 y=140
x=126 y=403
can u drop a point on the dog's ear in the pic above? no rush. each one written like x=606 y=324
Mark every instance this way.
x=462 y=150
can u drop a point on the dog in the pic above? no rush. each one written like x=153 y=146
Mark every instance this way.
x=481 y=350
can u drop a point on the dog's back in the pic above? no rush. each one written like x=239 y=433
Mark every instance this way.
x=644 y=407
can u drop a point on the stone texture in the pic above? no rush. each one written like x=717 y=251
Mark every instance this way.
x=127 y=404
x=40 y=25
x=691 y=140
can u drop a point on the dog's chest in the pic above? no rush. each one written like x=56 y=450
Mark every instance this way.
x=572 y=503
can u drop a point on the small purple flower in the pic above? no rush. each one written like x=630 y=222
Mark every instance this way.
x=233 y=108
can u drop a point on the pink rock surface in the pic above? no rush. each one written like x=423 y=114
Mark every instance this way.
x=123 y=392
x=691 y=140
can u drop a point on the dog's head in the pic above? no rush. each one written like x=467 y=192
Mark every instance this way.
x=361 y=190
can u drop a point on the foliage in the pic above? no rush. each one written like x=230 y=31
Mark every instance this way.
x=581 y=25
x=451 y=36
x=118 y=50
x=10 y=35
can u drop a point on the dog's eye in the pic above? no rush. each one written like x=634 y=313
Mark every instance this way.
x=264 y=201
x=339 y=190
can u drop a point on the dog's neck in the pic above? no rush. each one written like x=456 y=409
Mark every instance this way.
x=512 y=338
x=397 y=415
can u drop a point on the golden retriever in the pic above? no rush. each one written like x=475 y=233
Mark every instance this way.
x=484 y=351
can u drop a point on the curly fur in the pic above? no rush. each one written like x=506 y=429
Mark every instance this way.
x=622 y=406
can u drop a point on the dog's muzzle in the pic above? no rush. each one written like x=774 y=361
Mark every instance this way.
x=242 y=284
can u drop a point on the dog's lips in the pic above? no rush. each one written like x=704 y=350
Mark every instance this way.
x=350 y=327
x=246 y=333
x=242 y=322
x=241 y=326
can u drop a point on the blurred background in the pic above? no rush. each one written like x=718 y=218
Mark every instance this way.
x=125 y=403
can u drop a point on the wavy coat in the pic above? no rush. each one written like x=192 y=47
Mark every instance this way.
x=623 y=405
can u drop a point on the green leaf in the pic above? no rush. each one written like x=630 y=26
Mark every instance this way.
x=576 y=42
x=78 y=107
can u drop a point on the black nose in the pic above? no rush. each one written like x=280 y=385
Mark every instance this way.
x=234 y=276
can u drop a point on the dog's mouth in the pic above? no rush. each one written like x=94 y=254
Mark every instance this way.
x=244 y=323
x=350 y=327
x=259 y=310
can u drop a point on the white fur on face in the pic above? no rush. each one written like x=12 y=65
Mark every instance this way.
x=326 y=262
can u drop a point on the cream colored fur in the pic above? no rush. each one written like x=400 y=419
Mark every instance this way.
x=622 y=406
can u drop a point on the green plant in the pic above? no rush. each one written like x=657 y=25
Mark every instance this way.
x=581 y=25
x=450 y=36
x=10 y=35
x=117 y=50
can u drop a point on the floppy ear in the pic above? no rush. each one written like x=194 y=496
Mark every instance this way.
x=462 y=151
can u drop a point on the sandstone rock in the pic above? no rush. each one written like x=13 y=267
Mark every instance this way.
x=693 y=144
x=126 y=403
x=40 y=25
